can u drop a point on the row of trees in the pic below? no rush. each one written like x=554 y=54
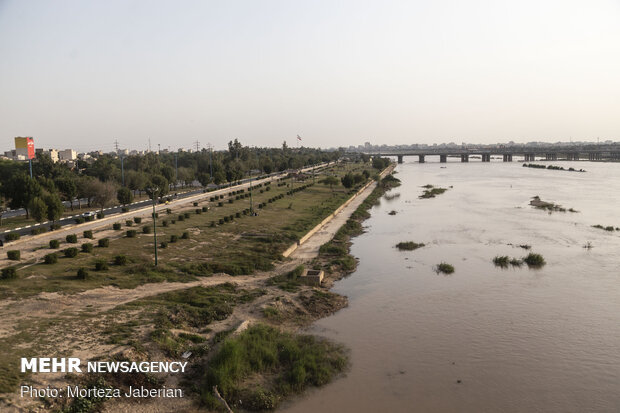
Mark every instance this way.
x=105 y=181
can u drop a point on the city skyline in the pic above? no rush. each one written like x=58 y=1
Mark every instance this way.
x=82 y=75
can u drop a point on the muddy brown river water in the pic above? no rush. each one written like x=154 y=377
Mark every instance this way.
x=483 y=339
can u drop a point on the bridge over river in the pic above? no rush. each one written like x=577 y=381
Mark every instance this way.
x=527 y=153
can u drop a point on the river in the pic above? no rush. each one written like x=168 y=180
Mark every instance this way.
x=483 y=339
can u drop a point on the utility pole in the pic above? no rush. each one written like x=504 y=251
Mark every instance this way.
x=122 y=170
x=197 y=145
x=210 y=159
x=176 y=169
x=116 y=145
x=158 y=148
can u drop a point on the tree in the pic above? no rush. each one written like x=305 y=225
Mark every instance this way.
x=234 y=149
x=54 y=205
x=87 y=188
x=136 y=180
x=186 y=175
x=347 y=180
x=105 y=194
x=124 y=195
x=38 y=209
x=204 y=178
x=331 y=181
x=68 y=188
x=21 y=190
x=157 y=187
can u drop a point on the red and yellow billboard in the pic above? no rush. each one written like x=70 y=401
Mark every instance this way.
x=25 y=146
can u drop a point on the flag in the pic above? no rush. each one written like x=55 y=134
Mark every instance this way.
x=298 y=137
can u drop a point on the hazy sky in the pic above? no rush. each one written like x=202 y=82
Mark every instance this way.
x=82 y=73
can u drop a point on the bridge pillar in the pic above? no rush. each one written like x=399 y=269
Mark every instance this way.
x=507 y=157
x=421 y=158
x=464 y=158
x=443 y=158
x=400 y=158
x=486 y=157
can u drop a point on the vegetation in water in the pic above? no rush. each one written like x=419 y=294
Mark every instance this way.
x=431 y=191
x=444 y=268
x=534 y=260
x=409 y=245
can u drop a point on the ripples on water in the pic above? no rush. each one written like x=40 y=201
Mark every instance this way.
x=519 y=340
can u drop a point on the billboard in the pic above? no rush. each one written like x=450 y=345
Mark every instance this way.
x=25 y=146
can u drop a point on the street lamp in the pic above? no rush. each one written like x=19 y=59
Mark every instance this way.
x=154 y=192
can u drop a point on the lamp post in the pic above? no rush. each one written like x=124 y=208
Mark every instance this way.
x=154 y=191
x=251 y=205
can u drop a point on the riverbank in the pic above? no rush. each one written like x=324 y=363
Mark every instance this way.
x=122 y=314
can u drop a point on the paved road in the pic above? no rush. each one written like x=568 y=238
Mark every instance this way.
x=142 y=204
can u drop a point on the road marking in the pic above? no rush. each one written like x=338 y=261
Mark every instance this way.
x=27 y=226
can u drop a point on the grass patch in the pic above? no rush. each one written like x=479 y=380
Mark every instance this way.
x=289 y=363
x=288 y=282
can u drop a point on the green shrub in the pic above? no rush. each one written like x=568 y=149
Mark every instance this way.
x=100 y=215
x=9 y=273
x=87 y=247
x=221 y=221
x=186 y=215
x=131 y=233
x=116 y=226
x=163 y=244
x=101 y=265
x=534 y=260
x=82 y=273
x=154 y=214
x=51 y=258
x=79 y=220
x=71 y=239
x=173 y=238
x=444 y=268
x=173 y=221
x=88 y=234
x=54 y=244
x=195 y=204
x=104 y=243
x=220 y=204
x=226 y=219
x=230 y=201
x=168 y=211
x=205 y=209
x=128 y=223
x=147 y=229
x=120 y=260
x=164 y=223
x=38 y=230
x=212 y=224
x=12 y=236
x=237 y=214
x=185 y=235
x=14 y=255
x=137 y=220
x=125 y=209
x=198 y=211
x=181 y=217
x=71 y=252
x=54 y=227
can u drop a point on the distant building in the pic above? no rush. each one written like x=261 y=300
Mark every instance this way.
x=67 y=155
